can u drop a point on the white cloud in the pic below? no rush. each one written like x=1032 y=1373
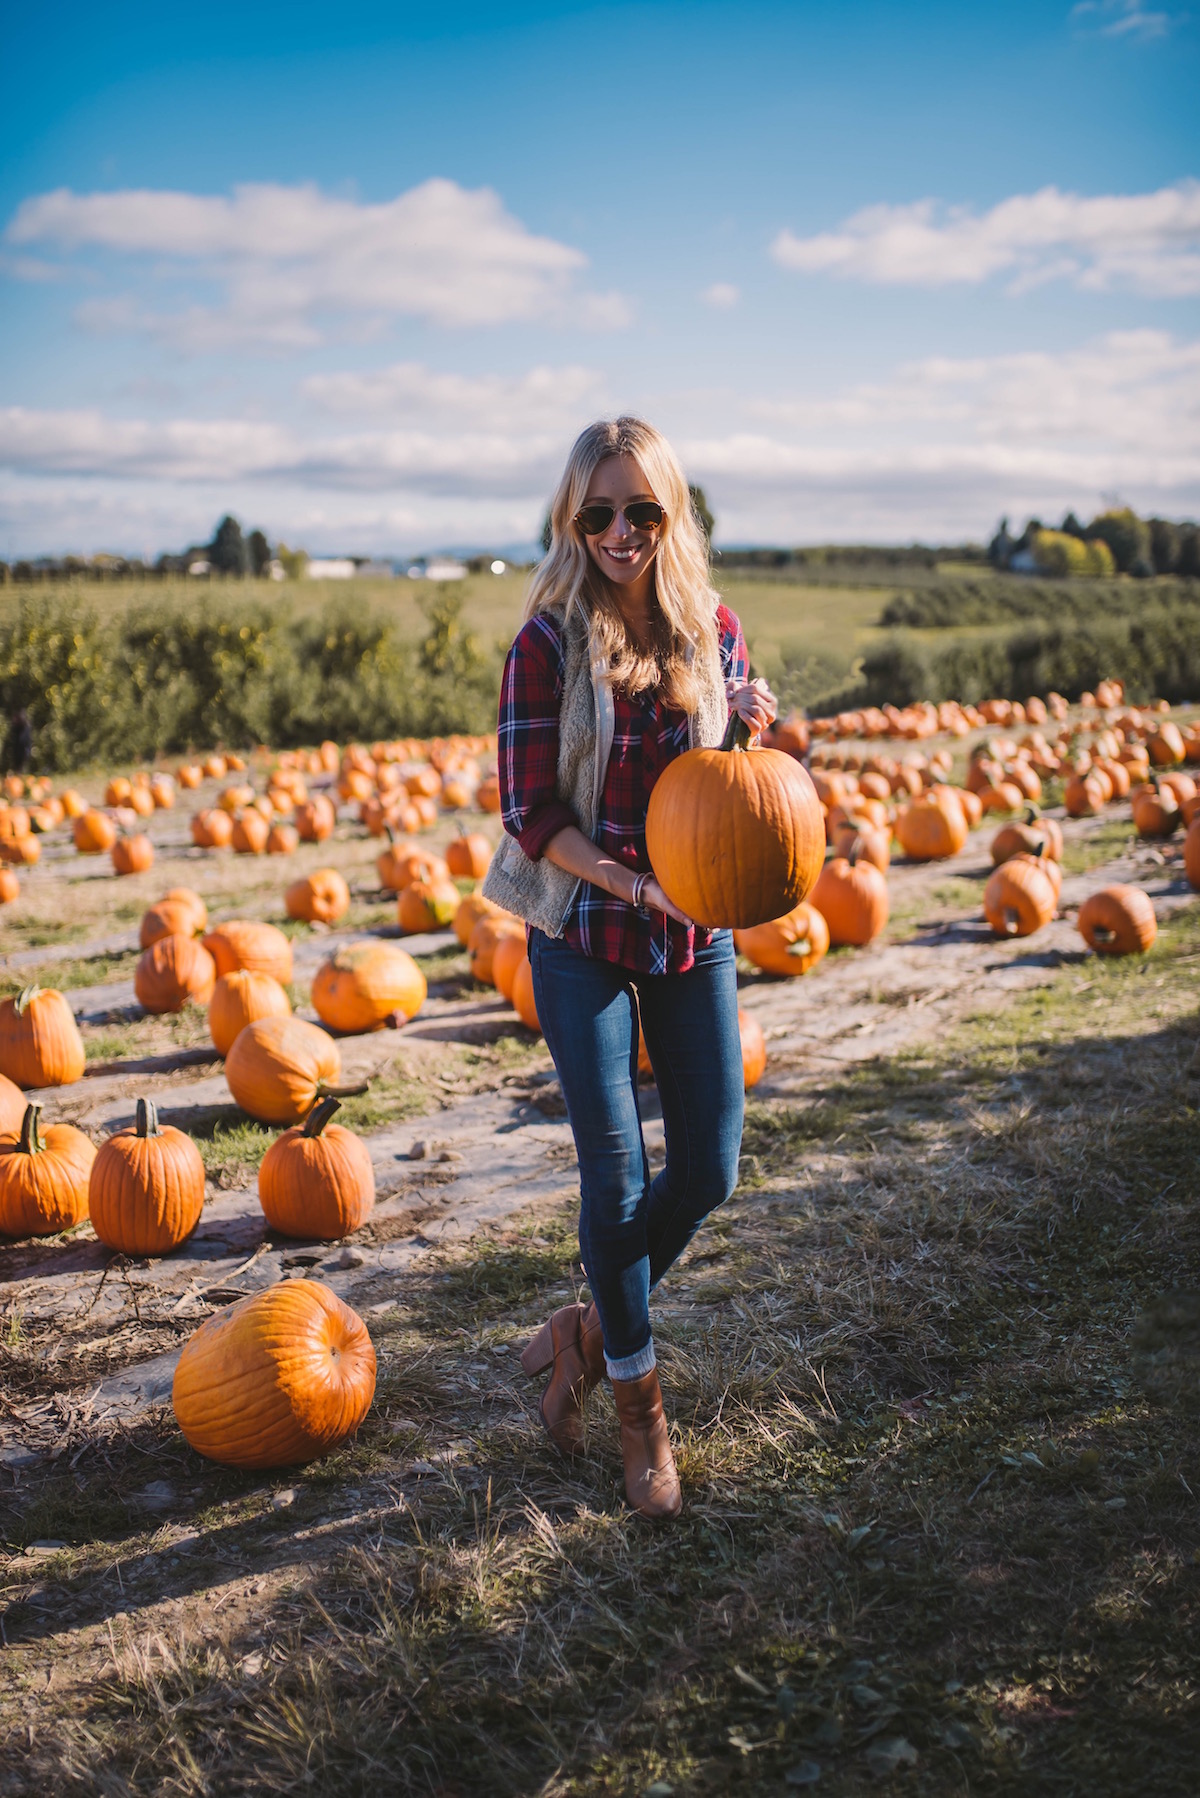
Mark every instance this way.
x=294 y=261
x=722 y=295
x=1149 y=242
x=1125 y=19
x=545 y=398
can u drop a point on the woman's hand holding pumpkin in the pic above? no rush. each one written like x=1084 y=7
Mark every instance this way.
x=654 y=899
x=754 y=703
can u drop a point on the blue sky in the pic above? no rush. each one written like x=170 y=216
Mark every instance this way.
x=881 y=271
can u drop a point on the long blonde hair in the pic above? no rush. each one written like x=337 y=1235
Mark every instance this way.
x=686 y=627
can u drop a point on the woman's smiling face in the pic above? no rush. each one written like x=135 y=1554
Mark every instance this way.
x=623 y=554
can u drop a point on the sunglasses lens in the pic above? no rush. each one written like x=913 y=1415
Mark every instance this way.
x=644 y=514
x=593 y=521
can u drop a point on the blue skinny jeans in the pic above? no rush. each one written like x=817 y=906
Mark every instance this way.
x=632 y=1228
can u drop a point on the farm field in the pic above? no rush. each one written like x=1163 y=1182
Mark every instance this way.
x=931 y=1376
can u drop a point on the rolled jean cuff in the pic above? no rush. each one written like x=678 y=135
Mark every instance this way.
x=633 y=1367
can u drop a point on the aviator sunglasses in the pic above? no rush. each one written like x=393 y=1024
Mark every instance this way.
x=640 y=515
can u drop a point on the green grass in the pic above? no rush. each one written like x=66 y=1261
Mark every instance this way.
x=89 y=970
x=931 y=1410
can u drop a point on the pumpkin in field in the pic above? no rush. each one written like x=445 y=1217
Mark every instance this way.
x=74 y=804
x=932 y=828
x=320 y=898
x=523 y=1001
x=1166 y=745
x=1156 y=811
x=1118 y=920
x=1083 y=796
x=481 y=946
x=1030 y=836
x=754 y=1049
x=506 y=959
x=469 y=912
x=403 y=863
x=278 y=1068
x=317 y=1180
x=238 y=999
x=852 y=897
x=469 y=857
x=250 y=833
x=12 y=1107
x=118 y=791
x=487 y=794
x=40 y=1044
x=146 y=1190
x=315 y=819
x=170 y=917
x=283 y=839
x=132 y=855
x=366 y=986
x=278 y=1378
x=10 y=886
x=427 y=905
x=1191 y=853
x=245 y=943
x=172 y=972
x=22 y=851
x=1019 y=897
x=93 y=833
x=212 y=829
x=43 y=1177
x=790 y=945
x=735 y=836
x=192 y=901
x=858 y=838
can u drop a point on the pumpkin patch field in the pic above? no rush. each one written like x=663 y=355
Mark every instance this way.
x=286 y=1183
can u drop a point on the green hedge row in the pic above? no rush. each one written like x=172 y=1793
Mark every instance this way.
x=159 y=680
x=956 y=604
x=1156 y=654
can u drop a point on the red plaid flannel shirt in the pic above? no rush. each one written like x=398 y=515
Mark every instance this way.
x=647 y=736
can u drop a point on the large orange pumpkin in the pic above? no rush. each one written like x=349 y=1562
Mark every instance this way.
x=735 y=836
x=276 y=1379
x=932 y=828
x=523 y=1001
x=1083 y=796
x=40 y=1044
x=470 y=910
x=507 y=957
x=322 y=897
x=1019 y=897
x=483 y=940
x=212 y=829
x=238 y=999
x=790 y=945
x=170 y=917
x=754 y=1049
x=315 y=819
x=487 y=794
x=468 y=857
x=146 y=1190
x=427 y=905
x=317 y=1180
x=853 y=899
x=250 y=833
x=10 y=886
x=278 y=1068
x=12 y=1107
x=857 y=838
x=245 y=943
x=1030 y=836
x=172 y=972
x=365 y=986
x=194 y=903
x=1118 y=920
x=283 y=839
x=1156 y=812
x=43 y=1177
x=132 y=855
x=1191 y=853
x=93 y=832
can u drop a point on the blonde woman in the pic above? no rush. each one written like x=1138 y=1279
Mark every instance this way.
x=626 y=659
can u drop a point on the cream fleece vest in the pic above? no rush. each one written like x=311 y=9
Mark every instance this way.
x=536 y=890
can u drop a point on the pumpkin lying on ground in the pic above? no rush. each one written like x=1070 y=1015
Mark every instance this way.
x=931 y=829
x=43 y=1177
x=212 y=829
x=481 y=946
x=240 y=998
x=13 y=1104
x=192 y=901
x=317 y=1180
x=132 y=855
x=315 y=819
x=427 y=905
x=753 y=1043
x=245 y=943
x=275 y=1379
x=278 y=1068
x=1020 y=897
x=507 y=957
x=146 y=1190
x=40 y=1044
x=468 y=857
x=173 y=972
x=170 y=917
x=1118 y=920
x=93 y=832
x=790 y=945
x=469 y=912
x=10 y=886
x=735 y=836
x=366 y=986
x=523 y=1001
x=1156 y=811
x=1191 y=854
x=1026 y=837
x=250 y=833
x=319 y=898
x=852 y=897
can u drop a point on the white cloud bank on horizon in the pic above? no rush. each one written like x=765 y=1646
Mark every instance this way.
x=293 y=261
x=938 y=451
x=1147 y=242
x=1124 y=18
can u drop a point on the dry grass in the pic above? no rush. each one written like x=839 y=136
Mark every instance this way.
x=940 y=1482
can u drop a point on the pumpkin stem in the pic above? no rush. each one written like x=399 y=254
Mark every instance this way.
x=737 y=733
x=25 y=999
x=31 y=1133
x=343 y=1092
x=147 y=1118
x=1012 y=919
x=1103 y=934
x=320 y=1114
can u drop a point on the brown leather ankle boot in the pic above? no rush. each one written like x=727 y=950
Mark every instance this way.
x=571 y=1344
x=651 y=1482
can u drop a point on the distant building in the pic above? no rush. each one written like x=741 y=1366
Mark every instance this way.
x=331 y=568
x=441 y=568
x=200 y=567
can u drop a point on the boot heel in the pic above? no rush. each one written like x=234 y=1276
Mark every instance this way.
x=538 y=1354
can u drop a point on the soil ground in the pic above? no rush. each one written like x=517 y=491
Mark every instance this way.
x=933 y=1377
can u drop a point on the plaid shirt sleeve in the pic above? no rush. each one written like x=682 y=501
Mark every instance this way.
x=527 y=738
x=735 y=657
